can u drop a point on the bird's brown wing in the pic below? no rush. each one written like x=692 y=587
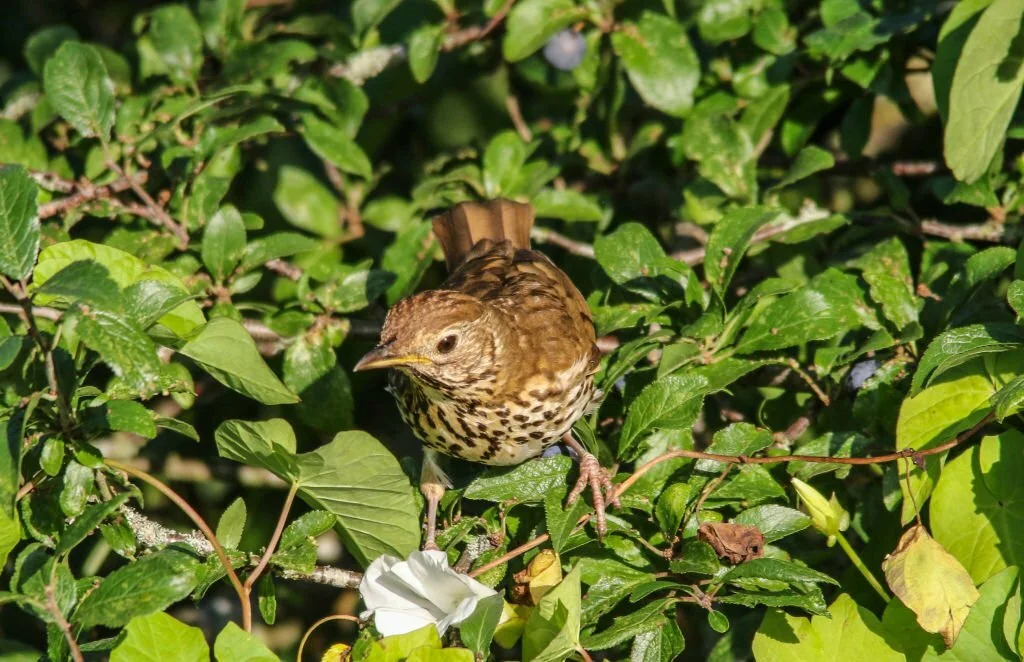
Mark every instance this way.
x=547 y=317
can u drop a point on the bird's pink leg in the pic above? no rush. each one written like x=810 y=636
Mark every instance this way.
x=592 y=475
x=433 y=482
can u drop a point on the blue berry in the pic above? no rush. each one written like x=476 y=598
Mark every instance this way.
x=860 y=373
x=565 y=50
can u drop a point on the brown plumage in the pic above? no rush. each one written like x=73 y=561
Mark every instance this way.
x=498 y=363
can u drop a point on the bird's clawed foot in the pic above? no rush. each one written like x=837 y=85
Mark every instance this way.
x=597 y=478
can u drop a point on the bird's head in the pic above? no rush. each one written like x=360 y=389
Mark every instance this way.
x=441 y=338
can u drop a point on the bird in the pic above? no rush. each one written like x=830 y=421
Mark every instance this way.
x=498 y=363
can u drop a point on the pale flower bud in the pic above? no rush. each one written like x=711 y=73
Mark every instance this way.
x=827 y=515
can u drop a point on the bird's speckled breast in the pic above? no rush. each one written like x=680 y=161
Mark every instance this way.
x=472 y=427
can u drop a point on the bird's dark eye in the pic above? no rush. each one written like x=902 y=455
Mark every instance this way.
x=447 y=344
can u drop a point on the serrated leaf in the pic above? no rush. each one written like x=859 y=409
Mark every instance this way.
x=808 y=161
x=77 y=86
x=527 y=483
x=673 y=402
x=958 y=346
x=477 y=631
x=232 y=524
x=19 y=222
x=85 y=280
x=309 y=525
x=140 y=588
x=553 y=629
x=774 y=521
x=730 y=238
x=277 y=245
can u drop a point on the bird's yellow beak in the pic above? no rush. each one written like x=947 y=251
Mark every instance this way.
x=380 y=357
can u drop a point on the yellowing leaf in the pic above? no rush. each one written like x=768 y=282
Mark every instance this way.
x=931 y=582
x=337 y=653
x=544 y=573
x=513 y=622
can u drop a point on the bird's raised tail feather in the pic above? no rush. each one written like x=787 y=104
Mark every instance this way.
x=463 y=226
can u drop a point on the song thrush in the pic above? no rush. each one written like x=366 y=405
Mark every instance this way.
x=497 y=364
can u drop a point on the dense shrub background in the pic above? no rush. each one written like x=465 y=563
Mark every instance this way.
x=796 y=225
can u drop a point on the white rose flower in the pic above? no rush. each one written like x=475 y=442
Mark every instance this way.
x=403 y=596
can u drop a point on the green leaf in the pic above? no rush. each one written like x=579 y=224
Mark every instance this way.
x=41 y=45
x=333 y=144
x=19 y=222
x=477 y=630
x=150 y=301
x=277 y=245
x=267 y=598
x=77 y=86
x=351 y=287
x=353 y=477
x=11 y=431
x=78 y=484
x=553 y=629
x=1009 y=400
x=129 y=416
x=724 y=150
x=399 y=646
x=982 y=635
x=223 y=242
x=236 y=645
x=958 y=346
x=977 y=506
x=774 y=521
x=140 y=588
x=531 y=23
x=672 y=402
x=660 y=644
x=307 y=527
x=311 y=370
x=777 y=569
x=85 y=280
x=830 y=444
x=424 y=47
x=503 y=163
x=408 y=257
x=567 y=205
x=367 y=14
x=232 y=524
x=636 y=622
x=159 y=637
x=671 y=507
x=121 y=344
x=810 y=160
x=173 y=44
x=562 y=520
x=946 y=408
x=125 y=270
x=831 y=304
x=51 y=458
x=985 y=90
x=627 y=252
x=526 y=483
x=730 y=238
x=86 y=523
x=306 y=203
x=226 y=350
x=887 y=271
x=954 y=32
x=696 y=557
x=660 y=63
x=852 y=632
x=726 y=20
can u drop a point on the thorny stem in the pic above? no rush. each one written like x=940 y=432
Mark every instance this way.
x=859 y=564
x=272 y=545
x=197 y=519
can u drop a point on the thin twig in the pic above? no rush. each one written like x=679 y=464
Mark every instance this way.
x=272 y=545
x=152 y=534
x=159 y=214
x=549 y=236
x=87 y=192
x=621 y=488
x=286 y=269
x=516 y=115
x=465 y=36
x=62 y=623
x=991 y=231
x=203 y=526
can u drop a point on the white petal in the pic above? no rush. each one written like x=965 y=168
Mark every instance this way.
x=400 y=621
